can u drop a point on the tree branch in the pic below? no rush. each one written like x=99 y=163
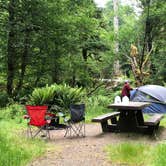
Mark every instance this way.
x=147 y=57
x=95 y=88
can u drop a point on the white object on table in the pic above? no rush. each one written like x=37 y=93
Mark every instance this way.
x=125 y=99
x=117 y=99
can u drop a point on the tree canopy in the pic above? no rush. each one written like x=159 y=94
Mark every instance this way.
x=70 y=41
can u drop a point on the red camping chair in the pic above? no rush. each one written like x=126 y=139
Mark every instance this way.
x=37 y=118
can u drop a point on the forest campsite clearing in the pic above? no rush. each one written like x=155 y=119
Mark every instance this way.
x=75 y=57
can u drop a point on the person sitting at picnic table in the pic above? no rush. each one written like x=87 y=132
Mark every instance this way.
x=126 y=89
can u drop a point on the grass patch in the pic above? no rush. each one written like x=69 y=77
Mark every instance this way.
x=163 y=121
x=128 y=153
x=96 y=105
x=137 y=154
x=159 y=153
x=16 y=150
x=94 y=112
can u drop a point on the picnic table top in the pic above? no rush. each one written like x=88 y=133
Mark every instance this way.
x=129 y=106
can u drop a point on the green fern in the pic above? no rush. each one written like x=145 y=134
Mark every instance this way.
x=57 y=96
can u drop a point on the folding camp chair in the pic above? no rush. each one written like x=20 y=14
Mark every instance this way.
x=37 y=121
x=76 y=123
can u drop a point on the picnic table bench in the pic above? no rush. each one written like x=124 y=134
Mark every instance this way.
x=103 y=119
x=153 y=122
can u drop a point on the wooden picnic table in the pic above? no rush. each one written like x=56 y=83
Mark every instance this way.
x=131 y=116
x=128 y=118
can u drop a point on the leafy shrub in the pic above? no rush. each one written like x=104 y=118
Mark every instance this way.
x=42 y=96
x=58 y=97
x=65 y=95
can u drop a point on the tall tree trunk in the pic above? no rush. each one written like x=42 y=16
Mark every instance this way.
x=116 y=29
x=39 y=73
x=11 y=51
x=116 y=24
x=23 y=62
x=55 y=69
x=147 y=43
x=55 y=73
x=84 y=54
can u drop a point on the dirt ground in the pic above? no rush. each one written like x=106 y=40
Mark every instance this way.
x=88 y=151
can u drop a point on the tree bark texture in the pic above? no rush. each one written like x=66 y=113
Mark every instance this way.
x=24 y=60
x=116 y=29
x=11 y=50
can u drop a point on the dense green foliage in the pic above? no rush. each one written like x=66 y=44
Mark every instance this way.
x=72 y=42
x=50 y=42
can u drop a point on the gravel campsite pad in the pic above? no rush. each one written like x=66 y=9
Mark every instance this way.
x=88 y=151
